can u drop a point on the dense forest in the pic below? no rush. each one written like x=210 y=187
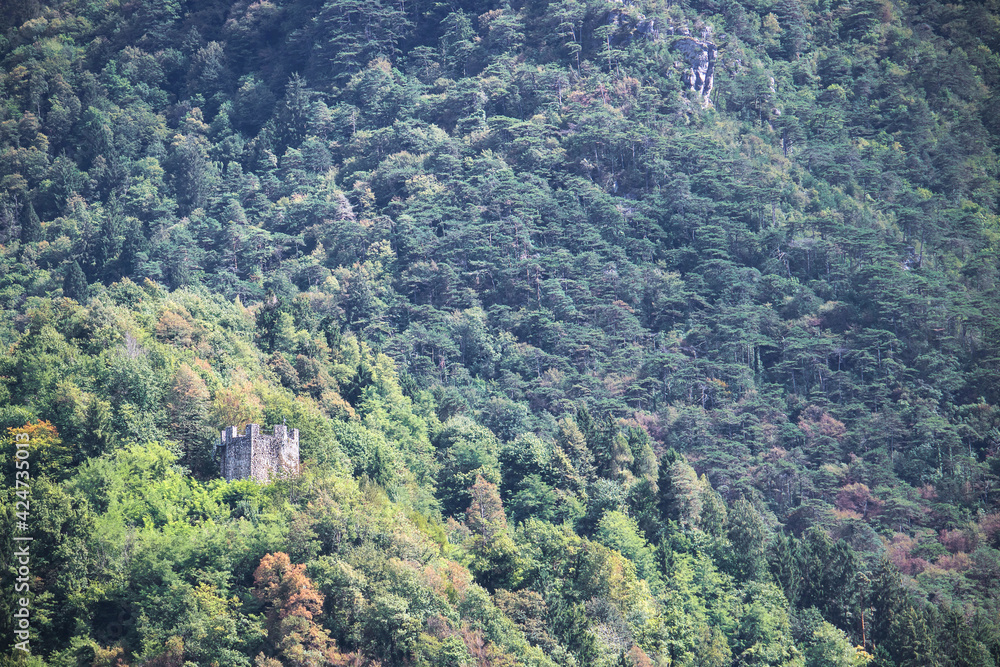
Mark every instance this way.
x=617 y=332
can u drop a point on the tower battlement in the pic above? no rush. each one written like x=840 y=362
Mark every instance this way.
x=258 y=456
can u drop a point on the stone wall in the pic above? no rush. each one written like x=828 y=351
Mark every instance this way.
x=257 y=456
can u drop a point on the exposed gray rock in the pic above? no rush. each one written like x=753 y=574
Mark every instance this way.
x=648 y=28
x=631 y=25
x=700 y=55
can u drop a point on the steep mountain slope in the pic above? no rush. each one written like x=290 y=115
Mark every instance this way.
x=617 y=333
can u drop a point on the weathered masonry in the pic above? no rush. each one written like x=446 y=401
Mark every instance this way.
x=258 y=456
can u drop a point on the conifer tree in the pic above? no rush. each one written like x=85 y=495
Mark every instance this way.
x=713 y=513
x=31 y=225
x=887 y=602
x=75 y=283
x=785 y=566
x=572 y=441
x=189 y=410
x=494 y=551
x=746 y=533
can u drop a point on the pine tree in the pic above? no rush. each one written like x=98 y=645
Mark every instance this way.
x=686 y=494
x=887 y=600
x=31 y=226
x=713 y=512
x=746 y=532
x=785 y=564
x=495 y=558
x=75 y=283
x=189 y=409
x=918 y=646
x=572 y=441
x=644 y=463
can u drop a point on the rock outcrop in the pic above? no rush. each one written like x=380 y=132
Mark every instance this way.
x=700 y=55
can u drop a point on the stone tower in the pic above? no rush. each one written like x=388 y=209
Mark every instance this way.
x=258 y=456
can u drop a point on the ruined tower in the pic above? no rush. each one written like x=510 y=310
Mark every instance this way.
x=258 y=456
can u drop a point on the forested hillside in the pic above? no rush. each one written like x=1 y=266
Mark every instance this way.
x=617 y=333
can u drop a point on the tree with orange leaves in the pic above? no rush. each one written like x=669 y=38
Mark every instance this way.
x=237 y=406
x=293 y=603
x=47 y=452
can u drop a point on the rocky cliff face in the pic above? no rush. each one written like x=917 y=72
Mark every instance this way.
x=700 y=55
